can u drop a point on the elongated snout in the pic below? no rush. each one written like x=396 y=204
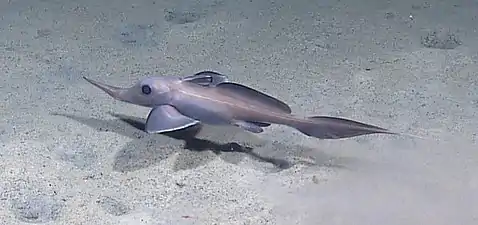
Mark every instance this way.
x=112 y=91
x=148 y=92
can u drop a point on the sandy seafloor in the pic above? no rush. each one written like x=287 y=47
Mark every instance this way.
x=70 y=154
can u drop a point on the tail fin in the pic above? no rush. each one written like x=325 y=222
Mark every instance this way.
x=324 y=127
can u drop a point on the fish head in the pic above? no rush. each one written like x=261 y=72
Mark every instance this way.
x=147 y=92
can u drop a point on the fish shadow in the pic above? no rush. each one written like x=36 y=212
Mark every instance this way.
x=149 y=149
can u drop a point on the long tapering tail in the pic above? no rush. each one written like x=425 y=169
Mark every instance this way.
x=325 y=127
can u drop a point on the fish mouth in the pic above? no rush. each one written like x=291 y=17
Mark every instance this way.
x=115 y=92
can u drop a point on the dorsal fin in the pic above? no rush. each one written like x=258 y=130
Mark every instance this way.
x=248 y=92
x=206 y=78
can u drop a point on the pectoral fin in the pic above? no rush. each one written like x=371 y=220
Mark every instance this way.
x=166 y=118
x=206 y=78
x=250 y=93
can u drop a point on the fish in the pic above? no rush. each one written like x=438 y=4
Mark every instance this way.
x=209 y=97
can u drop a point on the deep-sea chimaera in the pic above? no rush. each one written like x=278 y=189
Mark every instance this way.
x=208 y=97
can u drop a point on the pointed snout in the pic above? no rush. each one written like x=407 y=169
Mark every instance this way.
x=112 y=91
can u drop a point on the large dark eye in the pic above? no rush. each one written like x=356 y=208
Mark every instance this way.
x=146 y=89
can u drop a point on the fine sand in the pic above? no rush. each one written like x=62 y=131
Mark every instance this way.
x=70 y=154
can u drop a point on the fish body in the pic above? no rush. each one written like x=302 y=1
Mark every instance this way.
x=208 y=97
x=219 y=106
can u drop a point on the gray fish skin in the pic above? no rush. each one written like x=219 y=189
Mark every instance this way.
x=220 y=106
x=227 y=103
x=162 y=118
